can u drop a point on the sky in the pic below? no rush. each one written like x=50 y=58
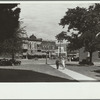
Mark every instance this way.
x=42 y=19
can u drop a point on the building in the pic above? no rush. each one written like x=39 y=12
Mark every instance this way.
x=30 y=45
x=61 y=48
x=25 y=47
x=37 y=47
x=34 y=46
x=48 y=47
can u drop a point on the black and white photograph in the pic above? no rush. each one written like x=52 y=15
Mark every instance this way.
x=49 y=50
x=49 y=42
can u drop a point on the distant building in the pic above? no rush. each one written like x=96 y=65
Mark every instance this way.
x=25 y=47
x=48 y=47
x=36 y=46
x=61 y=48
x=30 y=45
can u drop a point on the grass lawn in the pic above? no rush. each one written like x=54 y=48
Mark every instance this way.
x=16 y=75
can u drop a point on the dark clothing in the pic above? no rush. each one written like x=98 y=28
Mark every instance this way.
x=57 y=63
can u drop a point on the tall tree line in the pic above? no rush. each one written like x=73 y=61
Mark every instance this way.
x=86 y=22
x=10 y=30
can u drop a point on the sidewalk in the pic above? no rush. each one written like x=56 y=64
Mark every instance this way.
x=87 y=70
x=75 y=75
x=72 y=63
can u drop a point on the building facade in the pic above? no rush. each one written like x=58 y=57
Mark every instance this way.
x=48 y=47
x=25 y=47
x=33 y=46
x=38 y=47
x=61 y=48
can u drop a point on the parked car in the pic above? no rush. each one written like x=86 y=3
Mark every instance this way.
x=7 y=62
x=15 y=62
x=75 y=59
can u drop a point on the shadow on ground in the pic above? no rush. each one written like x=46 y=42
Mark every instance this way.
x=12 y=75
x=97 y=71
x=78 y=65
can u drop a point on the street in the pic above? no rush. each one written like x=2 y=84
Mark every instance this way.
x=38 y=71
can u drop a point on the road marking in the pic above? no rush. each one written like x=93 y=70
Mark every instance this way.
x=74 y=75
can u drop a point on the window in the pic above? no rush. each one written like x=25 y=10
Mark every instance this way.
x=38 y=50
x=24 y=50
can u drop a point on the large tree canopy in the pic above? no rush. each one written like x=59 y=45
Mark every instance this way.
x=9 y=20
x=61 y=36
x=87 y=23
x=10 y=30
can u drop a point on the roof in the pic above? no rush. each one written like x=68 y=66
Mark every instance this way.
x=29 y=39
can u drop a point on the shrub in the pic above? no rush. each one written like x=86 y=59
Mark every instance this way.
x=85 y=61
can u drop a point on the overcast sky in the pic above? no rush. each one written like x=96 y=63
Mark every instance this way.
x=41 y=19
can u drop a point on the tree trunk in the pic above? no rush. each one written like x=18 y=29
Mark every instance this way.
x=46 y=57
x=91 y=56
x=13 y=55
x=60 y=51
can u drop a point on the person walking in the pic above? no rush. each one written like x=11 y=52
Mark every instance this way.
x=63 y=62
x=57 y=63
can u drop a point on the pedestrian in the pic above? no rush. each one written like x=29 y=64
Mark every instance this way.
x=57 y=63
x=63 y=62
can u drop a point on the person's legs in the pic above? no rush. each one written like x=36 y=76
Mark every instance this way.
x=63 y=66
x=57 y=66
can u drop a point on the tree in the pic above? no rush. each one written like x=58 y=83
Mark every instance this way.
x=75 y=42
x=13 y=45
x=9 y=20
x=61 y=36
x=10 y=31
x=87 y=23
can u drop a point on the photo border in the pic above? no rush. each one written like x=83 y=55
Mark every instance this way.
x=47 y=90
